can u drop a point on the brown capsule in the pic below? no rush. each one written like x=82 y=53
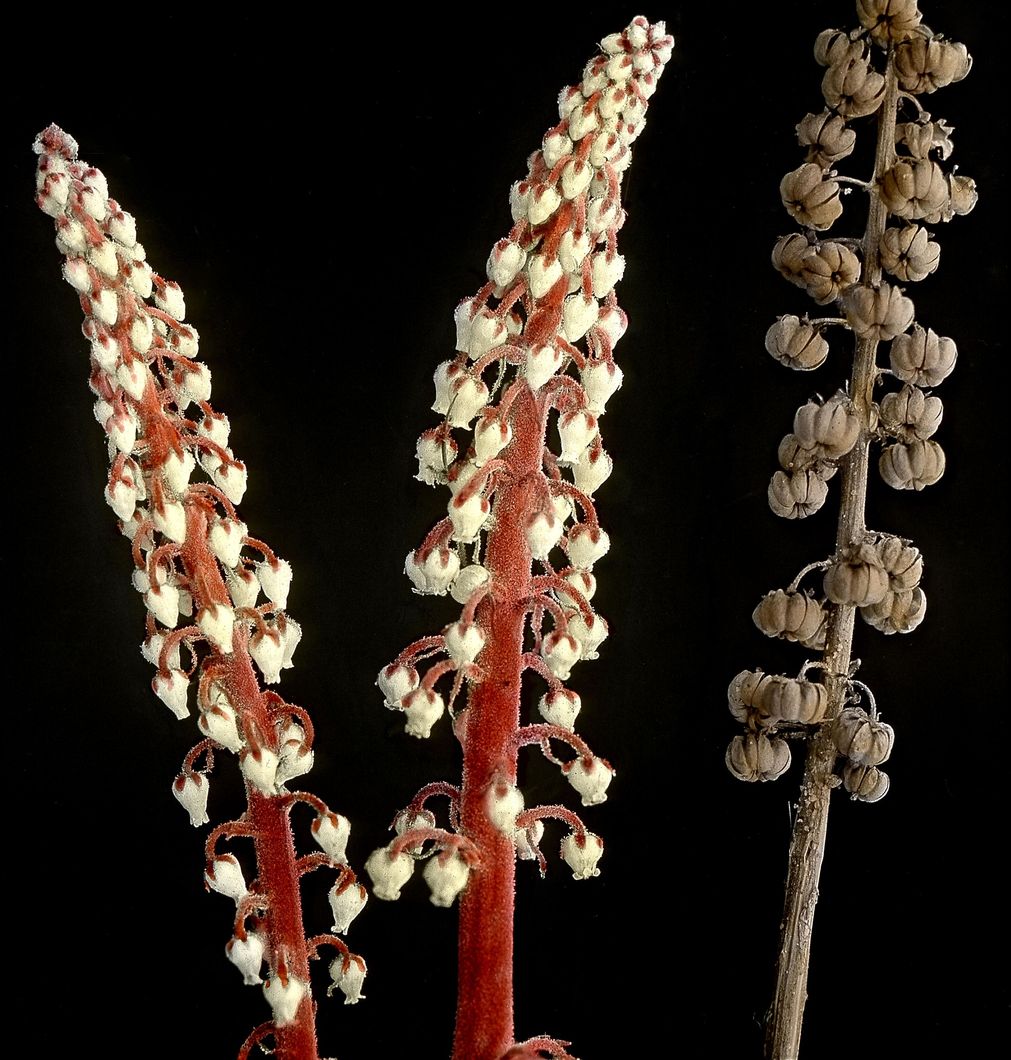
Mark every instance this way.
x=794 y=616
x=922 y=137
x=856 y=577
x=889 y=20
x=811 y=197
x=912 y=465
x=754 y=757
x=836 y=46
x=788 y=256
x=798 y=494
x=828 y=269
x=925 y=64
x=792 y=699
x=899 y=612
x=922 y=357
x=865 y=783
x=826 y=138
x=816 y=642
x=909 y=414
x=962 y=194
x=741 y=699
x=796 y=344
x=902 y=562
x=863 y=740
x=909 y=253
x=913 y=188
x=853 y=87
x=830 y=428
x=794 y=457
x=878 y=313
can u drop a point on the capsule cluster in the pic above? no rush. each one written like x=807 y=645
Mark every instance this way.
x=872 y=71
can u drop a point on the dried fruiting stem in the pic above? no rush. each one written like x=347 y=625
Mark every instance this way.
x=807 y=844
x=484 y=1014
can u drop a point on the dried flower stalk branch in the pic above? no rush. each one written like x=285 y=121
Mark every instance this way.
x=535 y=344
x=194 y=566
x=877 y=69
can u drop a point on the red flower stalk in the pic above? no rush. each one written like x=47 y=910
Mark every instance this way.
x=534 y=345
x=193 y=559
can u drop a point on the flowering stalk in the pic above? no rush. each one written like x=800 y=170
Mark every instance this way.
x=534 y=345
x=194 y=560
x=877 y=69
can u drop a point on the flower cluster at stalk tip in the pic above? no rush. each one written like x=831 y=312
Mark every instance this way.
x=215 y=597
x=519 y=446
x=877 y=69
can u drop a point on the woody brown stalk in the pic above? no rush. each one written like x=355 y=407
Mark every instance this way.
x=873 y=70
x=534 y=346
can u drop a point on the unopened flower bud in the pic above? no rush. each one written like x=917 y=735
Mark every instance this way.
x=395 y=681
x=468 y=581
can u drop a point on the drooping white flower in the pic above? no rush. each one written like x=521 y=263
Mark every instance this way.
x=600 y=380
x=463 y=642
x=592 y=470
x=468 y=515
x=576 y=430
x=191 y=790
x=388 y=874
x=224 y=875
x=590 y=777
x=224 y=538
x=586 y=545
x=434 y=574
x=267 y=650
x=423 y=707
x=468 y=581
x=395 y=681
x=163 y=602
x=543 y=532
x=284 y=997
x=246 y=954
x=560 y=708
x=504 y=803
x=541 y=364
x=583 y=857
x=528 y=840
x=331 y=832
x=446 y=878
x=346 y=902
x=275 y=580
x=560 y=651
x=216 y=622
x=349 y=979
x=589 y=634
x=259 y=767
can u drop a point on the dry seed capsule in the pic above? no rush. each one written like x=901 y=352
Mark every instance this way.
x=927 y=64
x=865 y=783
x=962 y=194
x=922 y=357
x=902 y=562
x=922 y=137
x=831 y=428
x=853 y=88
x=908 y=253
x=798 y=494
x=913 y=188
x=889 y=20
x=754 y=757
x=796 y=344
x=788 y=256
x=829 y=268
x=811 y=197
x=794 y=616
x=792 y=699
x=826 y=138
x=741 y=697
x=912 y=465
x=833 y=46
x=864 y=741
x=878 y=313
x=910 y=414
x=898 y=612
x=793 y=456
x=856 y=577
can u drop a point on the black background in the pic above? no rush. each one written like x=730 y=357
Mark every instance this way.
x=325 y=192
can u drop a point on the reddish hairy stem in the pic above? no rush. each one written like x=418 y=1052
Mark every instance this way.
x=484 y=1017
